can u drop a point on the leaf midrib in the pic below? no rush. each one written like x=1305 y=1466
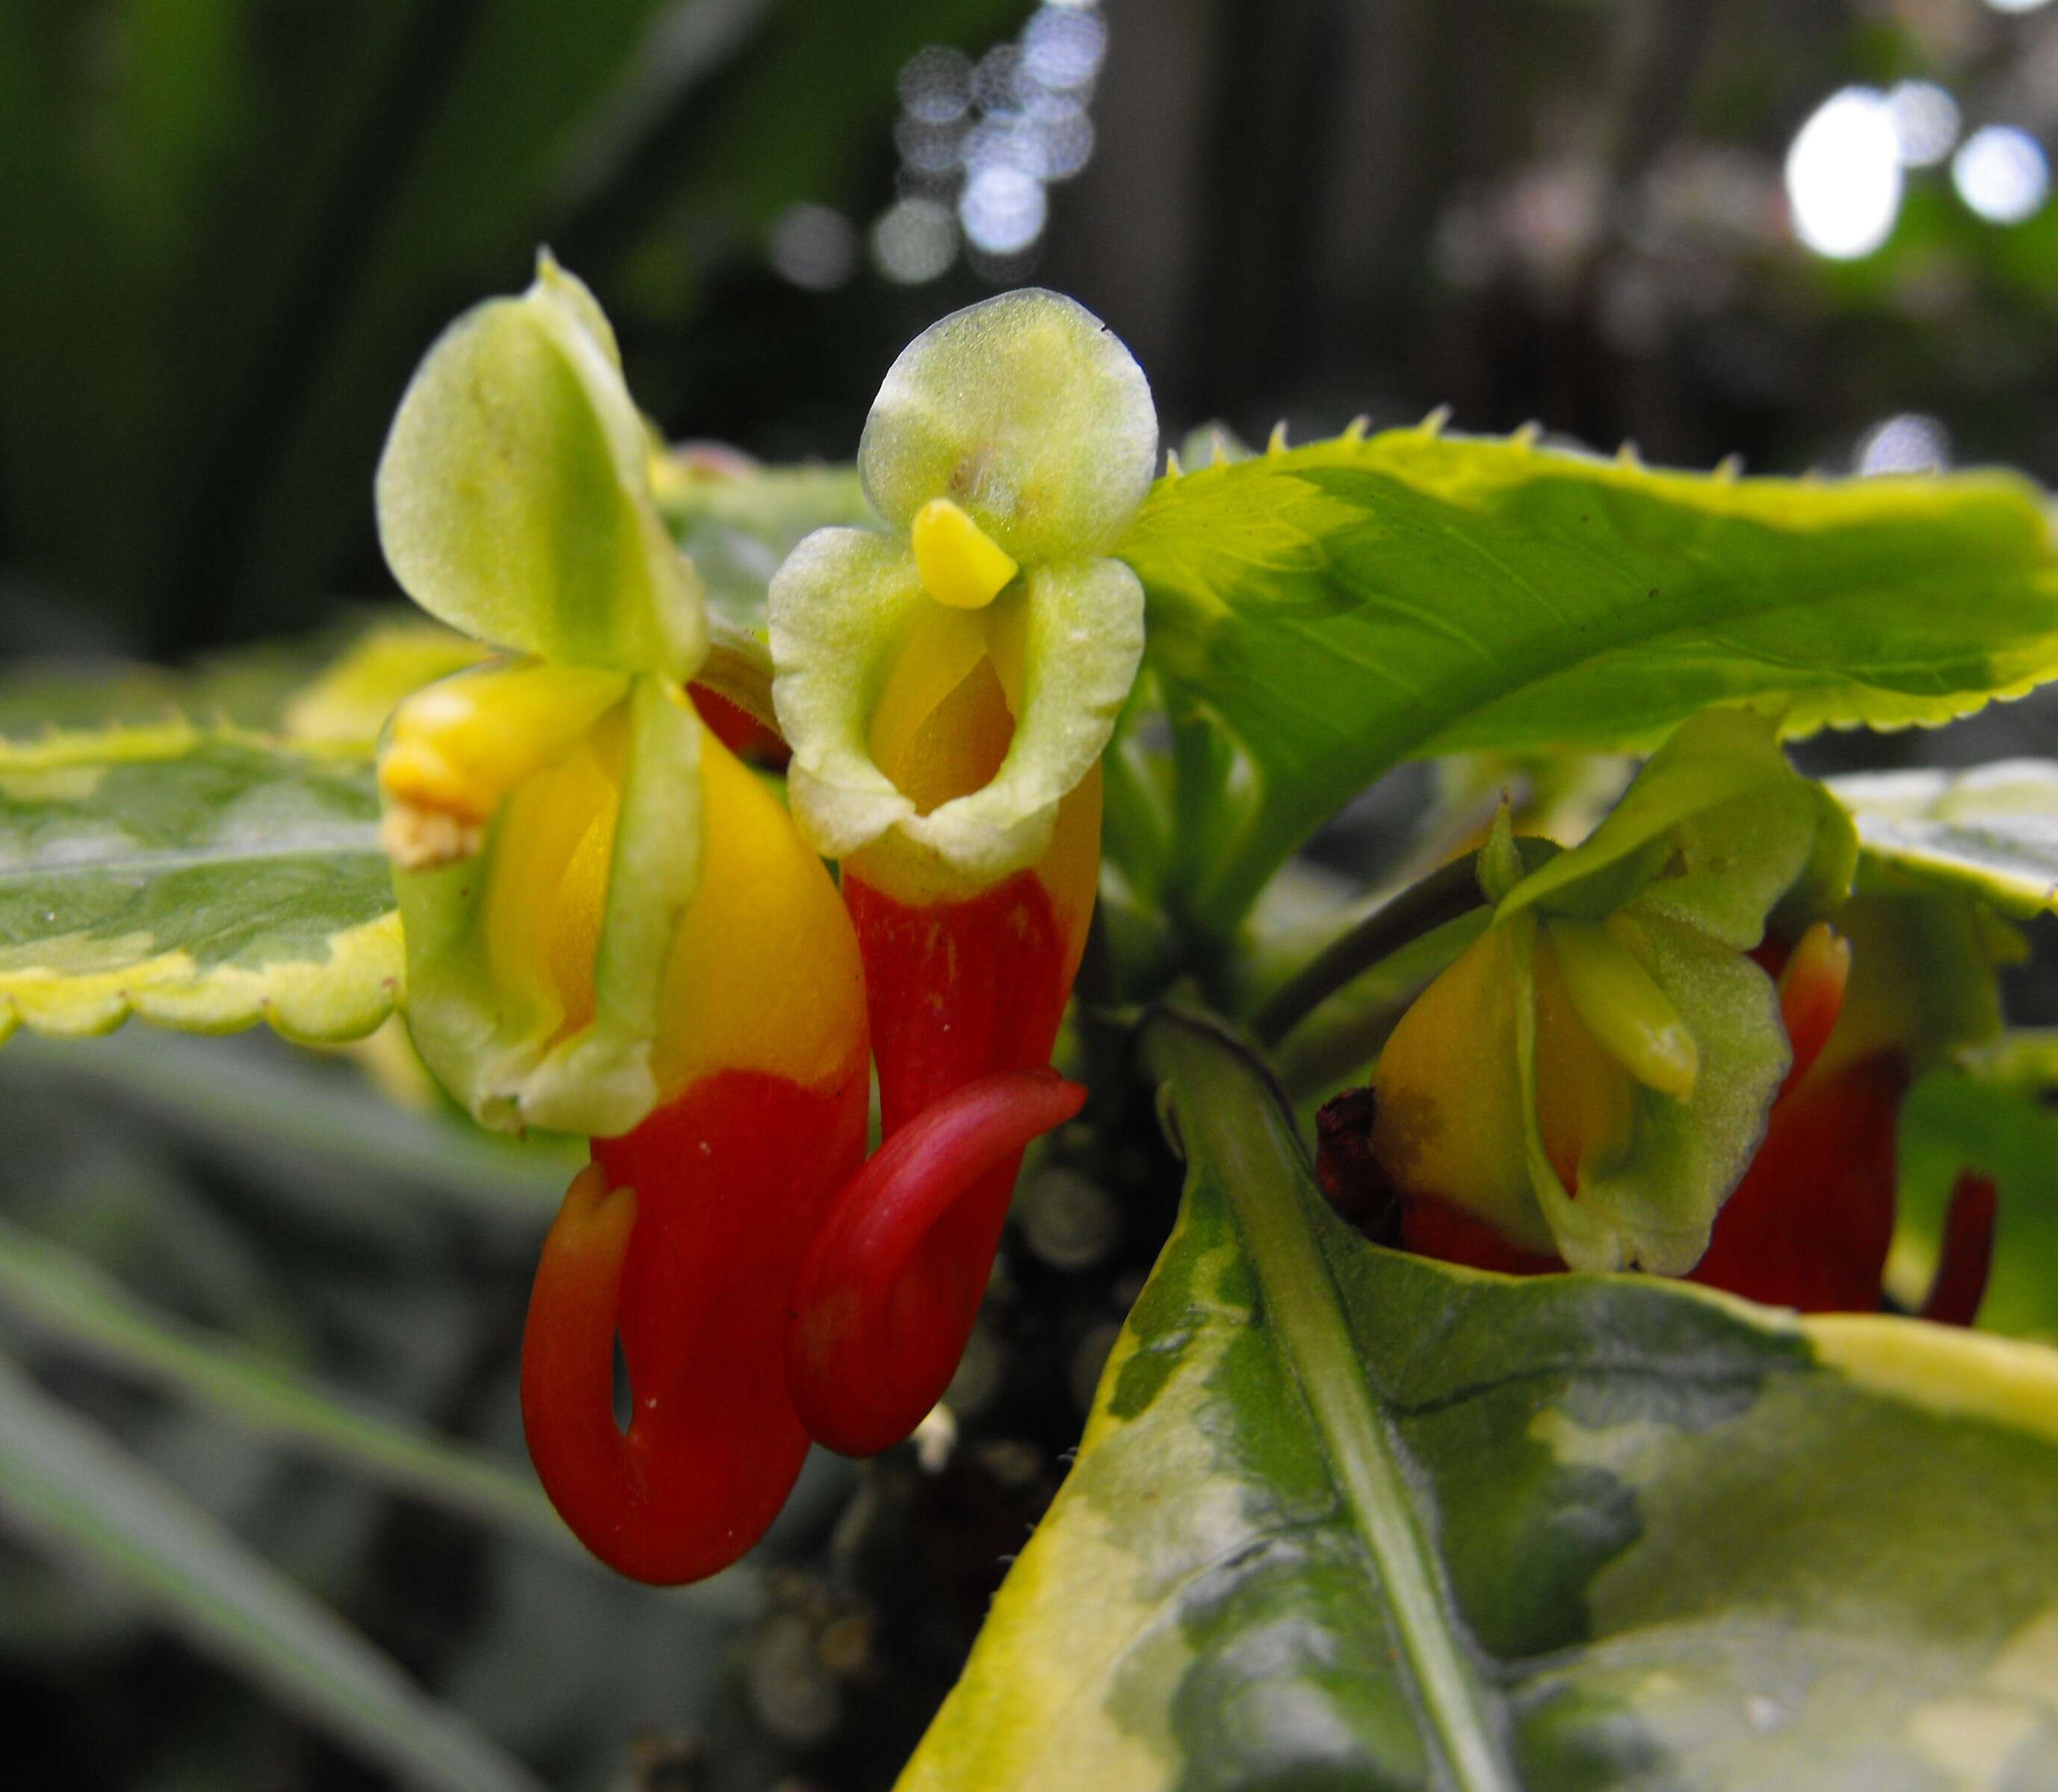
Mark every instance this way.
x=1233 y=1117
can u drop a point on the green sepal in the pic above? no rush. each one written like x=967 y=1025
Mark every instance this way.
x=513 y=494
x=500 y=1047
x=1718 y=827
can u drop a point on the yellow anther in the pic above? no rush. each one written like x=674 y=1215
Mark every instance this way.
x=961 y=565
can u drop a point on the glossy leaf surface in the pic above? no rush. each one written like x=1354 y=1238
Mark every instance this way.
x=1991 y=831
x=1338 y=607
x=1347 y=1517
x=206 y=880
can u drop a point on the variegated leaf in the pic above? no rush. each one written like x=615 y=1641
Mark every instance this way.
x=1991 y=830
x=1328 y=611
x=1345 y=1517
x=203 y=878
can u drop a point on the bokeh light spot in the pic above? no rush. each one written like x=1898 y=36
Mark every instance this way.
x=814 y=246
x=1910 y=442
x=1925 y=120
x=936 y=85
x=1843 y=175
x=915 y=240
x=1003 y=209
x=1062 y=46
x=2002 y=173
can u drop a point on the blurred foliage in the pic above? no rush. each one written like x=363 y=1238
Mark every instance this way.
x=234 y=224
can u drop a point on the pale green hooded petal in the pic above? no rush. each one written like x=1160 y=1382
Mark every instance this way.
x=1084 y=627
x=841 y=606
x=1027 y=411
x=501 y=1050
x=513 y=494
x=1028 y=415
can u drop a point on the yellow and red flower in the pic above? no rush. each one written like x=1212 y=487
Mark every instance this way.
x=1620 y=1060
x=615 y=928
x=947 y=685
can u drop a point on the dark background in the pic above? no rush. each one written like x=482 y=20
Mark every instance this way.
x=227 y=229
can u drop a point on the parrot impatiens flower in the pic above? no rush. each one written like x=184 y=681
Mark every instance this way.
x=947 y=684
x=1708 y=1077
x=613 y=928
x=1589 y=1078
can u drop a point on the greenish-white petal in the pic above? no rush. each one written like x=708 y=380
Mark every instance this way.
x=841 y=607
x=513 y=494
x=1027 y=411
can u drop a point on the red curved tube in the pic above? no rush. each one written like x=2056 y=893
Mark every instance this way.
x=683 y=1238
x=885 y=1301
x=955 y=991
x=1810 y=1224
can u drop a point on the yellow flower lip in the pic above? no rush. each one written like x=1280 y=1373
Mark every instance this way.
x=961 y=565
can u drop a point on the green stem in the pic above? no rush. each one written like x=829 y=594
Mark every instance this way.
x=1442 y=896
x=1231 y=1116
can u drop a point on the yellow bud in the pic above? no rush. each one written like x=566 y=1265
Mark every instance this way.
x=1630 y=1017
x=961 y=565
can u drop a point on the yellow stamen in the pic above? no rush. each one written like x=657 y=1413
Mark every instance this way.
x=1628 y=1014
x=961 y=565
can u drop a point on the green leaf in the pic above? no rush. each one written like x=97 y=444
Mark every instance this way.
x=1345 y=1517
x=1991 y=831
x=1336 y=608
x=735 y=523
x=65 y=1482
x=286 y=1115
x=202 y=879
